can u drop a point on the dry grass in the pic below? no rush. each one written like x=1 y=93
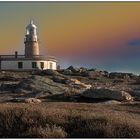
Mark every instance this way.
x=45 y=132
x=72 y=120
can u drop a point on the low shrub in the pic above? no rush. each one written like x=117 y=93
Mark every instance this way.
x=67 y=120
x=45 y=132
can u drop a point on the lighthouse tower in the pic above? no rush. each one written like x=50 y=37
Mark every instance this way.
x=31 y=41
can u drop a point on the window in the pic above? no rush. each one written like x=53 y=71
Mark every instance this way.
x=34 y=65
x=51 y=65
x=20 y=65
x=42 y=65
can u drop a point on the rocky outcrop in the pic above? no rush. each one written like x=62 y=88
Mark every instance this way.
x=70 y=82
x=96 y=74
x=107 y=94
x=81 y=80
x=40 y=84
x=67 y=72
x=113 y=75
x=75 y=71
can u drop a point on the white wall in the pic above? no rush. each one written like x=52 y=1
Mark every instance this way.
x=54 y=65
x=27 y=64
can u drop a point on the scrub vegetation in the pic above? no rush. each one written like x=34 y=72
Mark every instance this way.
x=69 y=120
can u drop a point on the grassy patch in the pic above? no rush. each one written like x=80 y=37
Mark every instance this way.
x=68 y=120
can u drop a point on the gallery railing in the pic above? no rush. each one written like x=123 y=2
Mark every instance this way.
x=35 y=57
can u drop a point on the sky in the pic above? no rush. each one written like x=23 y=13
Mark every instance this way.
x=101 y=35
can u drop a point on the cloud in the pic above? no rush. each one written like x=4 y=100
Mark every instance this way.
x=135 y=43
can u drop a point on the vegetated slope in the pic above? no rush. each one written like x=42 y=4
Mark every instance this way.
x=69 y=120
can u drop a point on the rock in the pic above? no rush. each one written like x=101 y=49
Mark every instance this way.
x=60 y=79
x=40 y=84
x=32 y=100
x=96 y=74
x=8 y=78
x=83 y=69
x=7 y=87
x=26 y=100
x=92 y=69
x=3 y=72
x=49 y=72
x=107 y=94
x=115 y=75
x=74 y=69
x=93 y=74
x=67 y=72
x=78 y=84
x=20 y=99
x=111 y=102
x=135 y=94
x=122 y=75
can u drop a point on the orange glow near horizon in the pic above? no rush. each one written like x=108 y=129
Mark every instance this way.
x=83 y=31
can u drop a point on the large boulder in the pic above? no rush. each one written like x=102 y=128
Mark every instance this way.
x=107 y=94
x=74 y=69
x=83 y=69
x=67 y=72
x=40 y=84
x=135 y=94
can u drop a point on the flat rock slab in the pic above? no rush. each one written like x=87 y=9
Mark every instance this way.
x=40 y=84
x=111 y=102
x=107 y=94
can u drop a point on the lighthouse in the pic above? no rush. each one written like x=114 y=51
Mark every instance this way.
x=31 y=41
x=31 y=59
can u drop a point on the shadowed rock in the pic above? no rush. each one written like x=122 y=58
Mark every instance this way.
x=40 y=84
x=107 y=94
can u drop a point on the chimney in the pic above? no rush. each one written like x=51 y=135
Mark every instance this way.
x=16 y=54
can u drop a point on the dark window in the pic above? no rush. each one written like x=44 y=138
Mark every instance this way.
x=34 y=65
x=42 y=65
x=51 y=65
x=20 y=65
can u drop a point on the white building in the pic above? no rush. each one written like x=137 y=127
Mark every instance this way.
x=32 y=59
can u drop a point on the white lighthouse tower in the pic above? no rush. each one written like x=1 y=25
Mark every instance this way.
x=31 y=41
